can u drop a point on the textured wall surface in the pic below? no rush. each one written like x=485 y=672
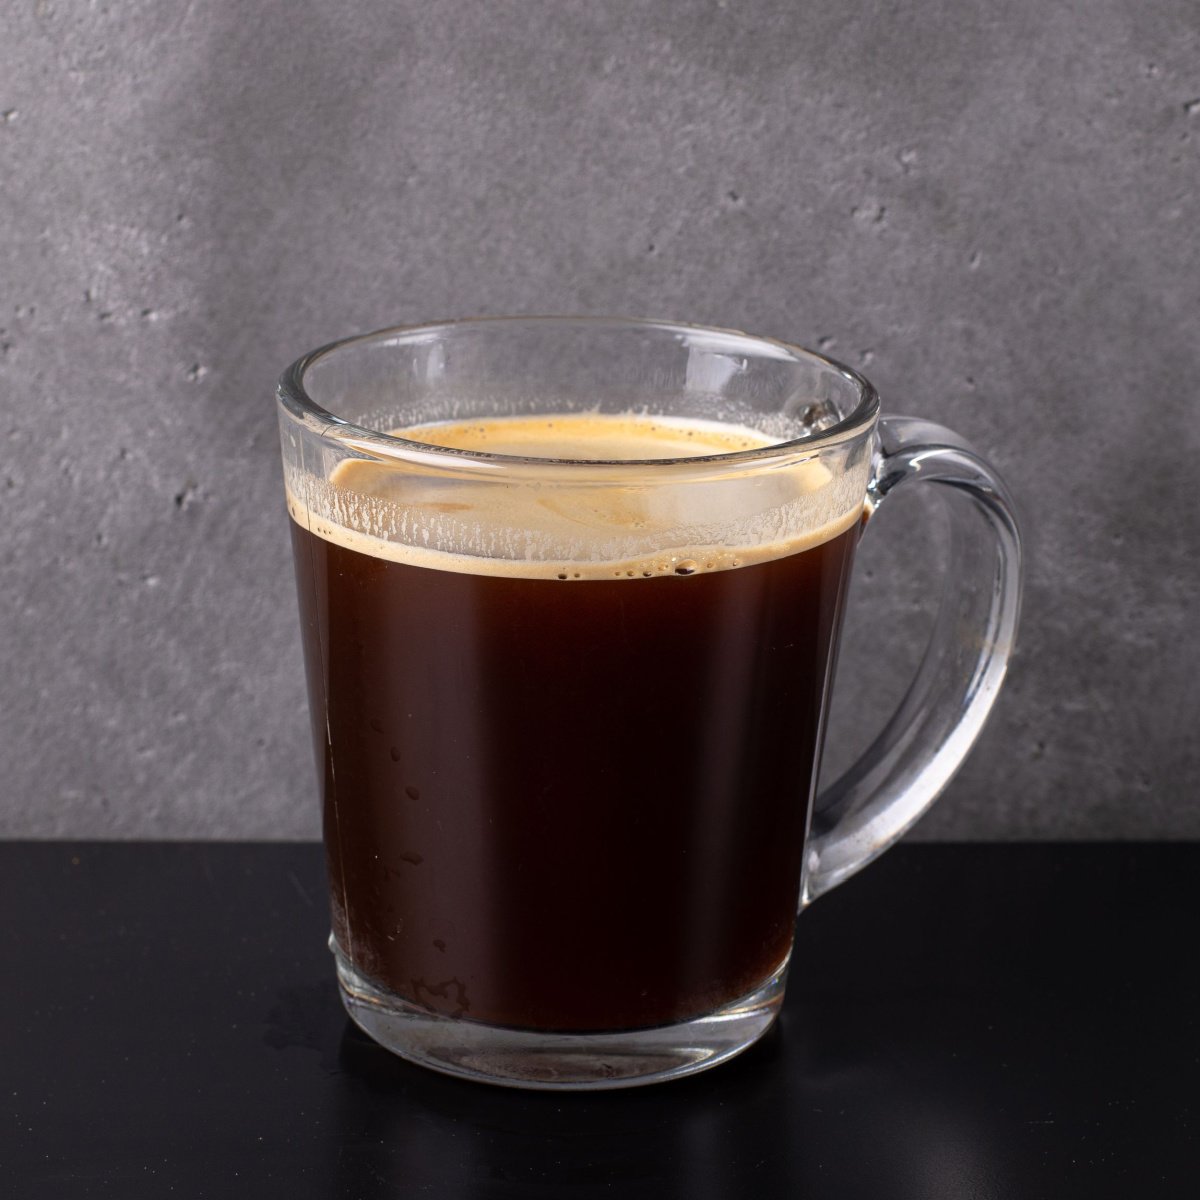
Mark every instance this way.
x=993 y=209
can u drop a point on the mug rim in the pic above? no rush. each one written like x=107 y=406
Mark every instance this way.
x=292 y=395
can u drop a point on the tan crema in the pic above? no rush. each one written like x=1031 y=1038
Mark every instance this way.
x=615 y=525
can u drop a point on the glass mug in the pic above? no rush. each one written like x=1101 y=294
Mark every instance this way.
x=570 y=592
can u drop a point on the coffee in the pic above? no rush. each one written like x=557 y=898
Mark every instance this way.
x=566 y=772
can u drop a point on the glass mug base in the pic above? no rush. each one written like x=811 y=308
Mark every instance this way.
x=526 y=1058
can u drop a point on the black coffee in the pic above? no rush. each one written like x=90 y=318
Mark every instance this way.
x=567 y=803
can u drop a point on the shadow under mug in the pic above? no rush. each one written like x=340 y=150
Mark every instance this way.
x=568 y=711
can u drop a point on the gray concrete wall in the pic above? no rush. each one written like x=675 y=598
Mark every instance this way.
x=992 y=208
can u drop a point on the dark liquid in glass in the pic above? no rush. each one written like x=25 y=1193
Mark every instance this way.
x=567 y=805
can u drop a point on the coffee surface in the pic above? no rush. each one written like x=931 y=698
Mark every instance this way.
x=592 y=519
x=591 y=437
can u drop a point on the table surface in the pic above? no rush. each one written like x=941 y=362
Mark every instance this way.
x=962 y=1021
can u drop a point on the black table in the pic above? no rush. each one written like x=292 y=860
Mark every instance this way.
x=962 y=1021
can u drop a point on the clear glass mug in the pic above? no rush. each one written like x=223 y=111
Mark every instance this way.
x=570 y=592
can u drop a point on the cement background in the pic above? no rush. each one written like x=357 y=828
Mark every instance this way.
x=992 y=209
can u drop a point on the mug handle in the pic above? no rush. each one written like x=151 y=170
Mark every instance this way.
x=905 y=769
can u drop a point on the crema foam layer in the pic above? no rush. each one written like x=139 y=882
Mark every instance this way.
x=626 y=525
x=591 y=437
